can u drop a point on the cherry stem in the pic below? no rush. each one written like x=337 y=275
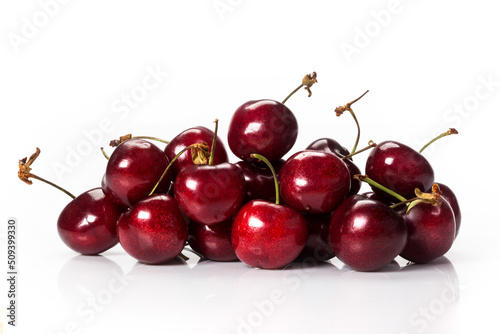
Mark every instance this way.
x=451 y=131
x=364 y=178
x=214 y=142
x=116 y=142
x=293 y=92
x=340 y=110
x=53 y=185
x=307 y=82
x=262 y=158
x=404 y=202
x=25 y=174
x=371 y=144
x=104 y=153
x=170 y=164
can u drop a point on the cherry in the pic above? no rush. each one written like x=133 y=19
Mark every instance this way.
x=267 y=235
x=266 y=127
x=212 y=241
x=153 y=231
x=87 y=224
x=450 y=197
x=259 y=181
x=314 y=181
x=210 y=194
x=399 y=168
x=132 y=171
x=431 y=229
x=318 y=244
x=332 y=146
x=188 y=137
x=366 y=234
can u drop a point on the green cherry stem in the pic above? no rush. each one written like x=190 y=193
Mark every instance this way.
x=170 y=164
x=307 y=82
x=365 y=178
x=25 y=174
x=340 y=110
x=104 y=153
x=371 y=144
x=260 y=157
x=214 y=142
x=451 y=131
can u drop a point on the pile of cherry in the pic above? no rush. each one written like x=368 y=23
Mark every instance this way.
x=262 y=210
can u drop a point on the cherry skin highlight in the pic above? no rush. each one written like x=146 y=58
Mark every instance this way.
x=267 y=235
x=366 y=234
x=210 y=194
x=153 y=231
x=133 y=170
x=314 y=181
x=399 y=168
x=87 y=224
x=199 y=134
x=265 y=127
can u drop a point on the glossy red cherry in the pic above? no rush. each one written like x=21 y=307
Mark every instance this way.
x=87 y=224
x=265 y=127
x=153 y=231
x=318 y=242
x=210 y=194
x=133 y=170
x=267 y=235
x=199 y=134
x=332 y=146
x=399 y=168
x=366 y=234
x=259 y=181
x=212 y=241
x=314 y=181
x=450 y=197
x=431 y=232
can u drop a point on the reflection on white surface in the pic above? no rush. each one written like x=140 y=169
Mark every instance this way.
x=210 y=297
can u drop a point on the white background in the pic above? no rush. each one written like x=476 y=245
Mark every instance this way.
x=63 y=81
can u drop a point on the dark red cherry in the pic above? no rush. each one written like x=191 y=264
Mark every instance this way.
x=399 y=168
x=267 y=235
x=87 y=224
x=265 y=127
x=314 y=181
x=133 y=170
x=332 y=146
x=259 y=181
x=366 y=234
x=318 y=245
x=450 y=197
x=191 y=136
x=431 y=232
x=210 y=194
x=329 y=145
x=212 y=241
x=153 y=231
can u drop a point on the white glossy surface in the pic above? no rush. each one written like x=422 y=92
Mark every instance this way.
x=434 y=65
